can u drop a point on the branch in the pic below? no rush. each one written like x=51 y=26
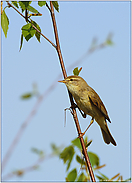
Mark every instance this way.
x=10 y=5
x=70 y=95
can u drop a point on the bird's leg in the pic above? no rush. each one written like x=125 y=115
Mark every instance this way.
x=82 y=134
x=76 y=106
x=83 y=114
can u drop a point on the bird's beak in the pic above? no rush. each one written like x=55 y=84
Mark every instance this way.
x=63 y=81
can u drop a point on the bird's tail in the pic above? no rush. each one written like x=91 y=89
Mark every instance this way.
x=107 y=136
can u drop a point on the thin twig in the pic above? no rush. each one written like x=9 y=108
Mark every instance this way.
x=70 y=95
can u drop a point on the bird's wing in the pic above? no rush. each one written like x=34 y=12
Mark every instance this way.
x=95 y=100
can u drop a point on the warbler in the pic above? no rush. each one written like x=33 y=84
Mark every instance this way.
x=90 y=103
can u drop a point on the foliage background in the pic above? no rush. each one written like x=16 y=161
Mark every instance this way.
x=107 y=71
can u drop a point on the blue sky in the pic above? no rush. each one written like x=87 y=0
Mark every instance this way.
x=106 y=70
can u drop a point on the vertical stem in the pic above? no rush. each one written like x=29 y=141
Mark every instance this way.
x=57 y=41
x=70 y=95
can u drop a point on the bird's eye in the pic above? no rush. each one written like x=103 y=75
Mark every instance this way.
x=71 y=79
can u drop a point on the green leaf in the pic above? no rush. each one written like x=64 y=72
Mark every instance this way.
x=15 y=4
x=4 y=23
x=28 y=31
x=76 y=142
x=37 y=151
x=21 y=42
x=30 y=8
x=37 y=34
x=27 y=26
x=71 y=177
x=26 y=96
x=41 y=3
x=76 y=71
x=80 y=160
x=24 y=4
x=67 y=155
x=56 y=5
x=94 y=159
x=82 y=178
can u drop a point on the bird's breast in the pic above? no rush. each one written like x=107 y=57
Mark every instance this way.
x=85 y=105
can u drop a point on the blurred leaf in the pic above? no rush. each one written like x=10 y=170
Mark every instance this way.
x=56 y=5
x=37 y=34
x=18 y=172
x=56 y=150
x=67 y=155
x=80 y=160
x=109 y=39
x=94 y=43
x=37 y=151
x=71 y=177
x=26 y=96
x=21 y=42
x=15 y=4
x=128 y=180
x=30 y=8
x=76 y=142
x=4 y=23
x=102 y=177
x=109 y=42
x=41 y=3
x=28 y=31
x=35 y=89
x=82 y=178
x=94 y=159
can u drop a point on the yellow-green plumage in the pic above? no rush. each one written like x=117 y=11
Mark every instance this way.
x=90 y=103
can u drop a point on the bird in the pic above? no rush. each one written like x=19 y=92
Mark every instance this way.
x=88 y=101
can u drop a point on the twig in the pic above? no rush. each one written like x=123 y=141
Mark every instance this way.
x=70 y=95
